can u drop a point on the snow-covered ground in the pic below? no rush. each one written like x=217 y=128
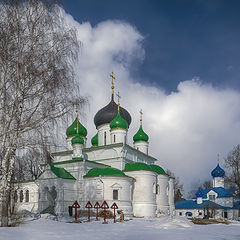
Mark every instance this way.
x=163 y=228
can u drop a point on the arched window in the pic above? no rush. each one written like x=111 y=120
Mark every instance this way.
x=27 y=196
x=15 y=196
x=114 y=138
x=115 y=194
x=105 y=138
x=21 y=196
x=157 y=189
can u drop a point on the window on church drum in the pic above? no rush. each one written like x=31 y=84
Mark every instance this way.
x=21 y=196
x=157 y=189
x=105 y=138
x=212 y=197
x=114 y=138
x=115 y=194
x=27 y=196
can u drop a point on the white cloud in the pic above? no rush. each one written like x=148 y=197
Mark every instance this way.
x=187 y=128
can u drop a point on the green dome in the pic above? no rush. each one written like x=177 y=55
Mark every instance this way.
x=157 y=169
x=137 y=166
x=95 y=140
x=95 y=172
x=77 y=140
x=118 y=122
x=72 y=130
x=140 y=136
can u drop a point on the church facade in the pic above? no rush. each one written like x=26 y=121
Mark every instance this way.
x=109 y=170
x=216 y=202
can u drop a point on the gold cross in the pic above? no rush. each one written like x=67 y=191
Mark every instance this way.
x=141 y=113
x=77 y=119
x=218 y=157
x=118 y=95
x=199 y=182
x=113 y=78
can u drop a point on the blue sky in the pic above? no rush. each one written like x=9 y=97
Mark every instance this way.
x=182 y=39
x=158 y=51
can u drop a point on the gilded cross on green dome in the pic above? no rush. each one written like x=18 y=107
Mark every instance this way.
x=141 y=113
x=118 y=95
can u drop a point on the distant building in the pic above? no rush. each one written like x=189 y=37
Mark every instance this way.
x=109 y=170
x=216 y=202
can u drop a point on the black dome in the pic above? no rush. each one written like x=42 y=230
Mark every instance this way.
x=106 y=114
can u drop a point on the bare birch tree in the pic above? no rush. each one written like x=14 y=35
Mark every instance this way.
x=37 y=51
x=232 y=163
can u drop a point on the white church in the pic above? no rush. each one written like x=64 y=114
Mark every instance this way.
x=109 y=170
x=216 y=202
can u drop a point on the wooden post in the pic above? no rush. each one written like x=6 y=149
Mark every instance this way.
x=104 y=207
x=97 y=206
x=114 y=207
x=88 y=206
x=76 y=206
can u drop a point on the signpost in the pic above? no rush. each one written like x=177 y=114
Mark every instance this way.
x=97 y=206
x=88 y=206
x=114 y=207
x=104 y=207
x=76 y=206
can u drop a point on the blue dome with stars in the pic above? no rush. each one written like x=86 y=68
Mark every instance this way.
x=218 y=172
x=199 y=193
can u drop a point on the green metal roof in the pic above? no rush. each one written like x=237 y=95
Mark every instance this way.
x=140 y=136
x=72 y=129
x=137 y=166
x=94 y=140
x=95 y=172
x=77 y=140
x=157 y=169
x=118 y=122
x=61 y=172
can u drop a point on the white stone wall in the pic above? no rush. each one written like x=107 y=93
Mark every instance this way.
x=118 y=136
x=171 y=195
x=141 y=146
x=102 y=130
x=144 y=193
x=162 y=194
x=218 y=182
x=32 y=204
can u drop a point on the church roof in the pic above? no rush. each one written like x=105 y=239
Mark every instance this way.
x=137 y=166
x=61 y=173
x=140 y=136
x=221 y=192
x=157 y=169
x=108 y=113
x=72 y=129
x=77 y=140
x=118 y=122
x=190 y=204
x=94 y=140
x=218 y=172
x=199 y=193
x=95 y=172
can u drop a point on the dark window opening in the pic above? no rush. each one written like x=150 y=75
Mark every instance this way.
x=180 y=213
x=15 y=196
x=27 y=196
x=105 y=138
x=21 y=196
x=115 y=194
x=114 y=138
